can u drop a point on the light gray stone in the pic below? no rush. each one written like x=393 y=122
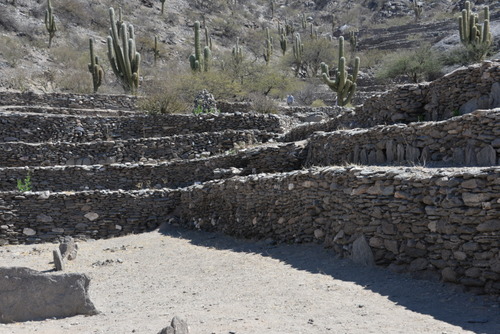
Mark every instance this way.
x=68 y=248
x=177 y=326
x=31 y=295
x=58 y=260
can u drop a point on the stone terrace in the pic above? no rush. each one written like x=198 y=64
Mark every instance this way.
x=97 y=174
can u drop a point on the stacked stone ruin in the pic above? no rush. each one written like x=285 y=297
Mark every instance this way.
x=414 y=172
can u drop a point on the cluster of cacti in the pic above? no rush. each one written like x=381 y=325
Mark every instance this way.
x=472 y=33
x=268 y=48
x=50 y=23
x=122 y=54
x=283 y=43
x=353 y=40
x=199 y=61
x=344 y=84
x=237 y=52
x=418 y=8
x=162 y=6
x=95 y=68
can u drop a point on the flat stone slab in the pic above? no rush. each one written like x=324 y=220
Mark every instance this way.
x=27 y=294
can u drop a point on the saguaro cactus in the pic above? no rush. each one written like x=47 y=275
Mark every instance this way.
x=344 y=84
x=472 y=34
x=124 y=58
x=298 y=50
x=283 y=43
x=50 y=22
x=162 y=6
x=95 y=68
x=268 y=49
x=199 y=61
x=353 y=40
x=237 y=52
x=418 y=8
x=156 y=51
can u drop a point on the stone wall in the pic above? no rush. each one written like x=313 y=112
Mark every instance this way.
x=33 y=127
x=457 y=93
x=100 y=101
x=133 y=150
x=441 y=221
x=469 y=140
x=172 y=174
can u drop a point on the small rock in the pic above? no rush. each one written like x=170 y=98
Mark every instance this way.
x=58 y=260
x=177 y=326
x=68 y=248
x=361 y=252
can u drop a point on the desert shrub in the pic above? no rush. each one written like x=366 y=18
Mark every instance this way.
x=417 y=65
x=318 y=103
x=307 y=94
x=12 y=51
x=270 y=81
x=263 y=104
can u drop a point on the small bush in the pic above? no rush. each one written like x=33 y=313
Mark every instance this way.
x=417 y=65
x=318 y=103
x=262 y=104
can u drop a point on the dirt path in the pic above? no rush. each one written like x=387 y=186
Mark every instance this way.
x=222 y=285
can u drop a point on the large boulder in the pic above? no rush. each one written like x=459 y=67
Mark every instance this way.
x=27 y=294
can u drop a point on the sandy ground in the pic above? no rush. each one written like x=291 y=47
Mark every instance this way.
x=223 y=285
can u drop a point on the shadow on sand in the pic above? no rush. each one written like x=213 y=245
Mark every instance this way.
x=441 y=301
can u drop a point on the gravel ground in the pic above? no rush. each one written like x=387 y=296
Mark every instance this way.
x=223 y=285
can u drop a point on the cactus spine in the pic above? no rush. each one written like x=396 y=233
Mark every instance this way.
x=95 y=68
x=472 y=34
x=268 y=50
x=199 y=61
x=50 y=23
x=344 y=84
x=124 y=58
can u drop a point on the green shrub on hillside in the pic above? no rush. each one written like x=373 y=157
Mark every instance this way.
x=418 y=65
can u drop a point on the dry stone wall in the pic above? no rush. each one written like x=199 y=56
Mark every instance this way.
x=469 y=140
x=191 y=146
x=424 y=221
x=171 y=174
x=32 y=127
x=443 y=221
x=61 y=100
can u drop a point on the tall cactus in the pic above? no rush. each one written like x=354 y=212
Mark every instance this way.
x=283 y=43
x=418 y=8
x=268 y=49
x=50 y=22
x=162 y=6
x=298 y=50
x=122 y=54
x=95 y=68
x=353 y=40
x=472 y=34
x=156 y=51
x=199 y=60
x=237 y=52
x=344 y=84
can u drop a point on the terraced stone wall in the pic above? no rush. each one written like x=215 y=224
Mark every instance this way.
x=469 y=140
x=436 y=100
x=134 y=150
x=172 y=174
x=41 y=128
x=442 y=222
x=117 y=102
